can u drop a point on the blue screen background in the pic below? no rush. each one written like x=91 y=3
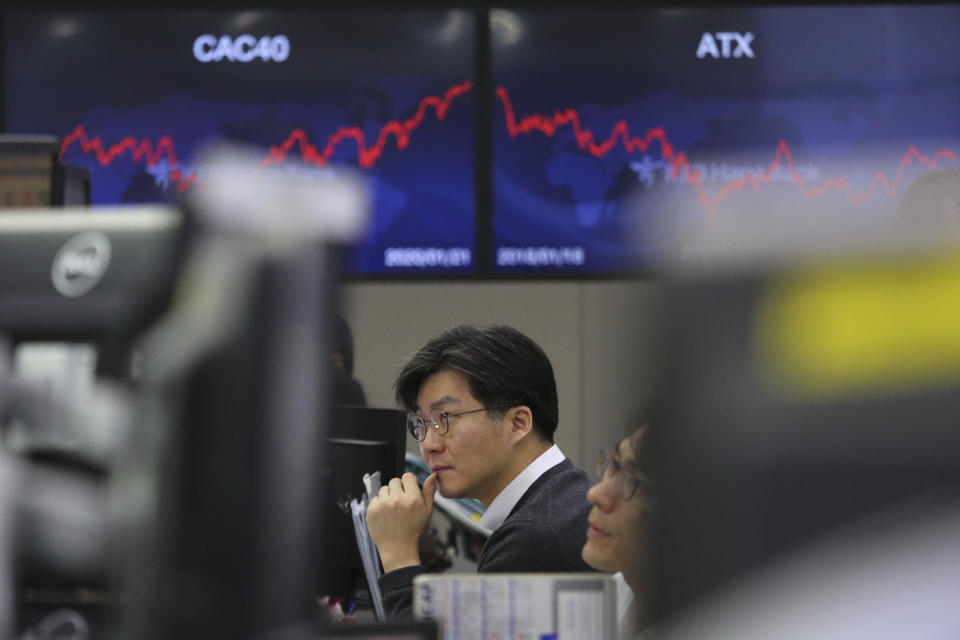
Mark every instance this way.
x=132 y=76
x=841 y=93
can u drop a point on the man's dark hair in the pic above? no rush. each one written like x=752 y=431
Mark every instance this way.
x=501 y=365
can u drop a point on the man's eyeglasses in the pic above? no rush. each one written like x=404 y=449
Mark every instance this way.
x=627 y=482
x=439 y=420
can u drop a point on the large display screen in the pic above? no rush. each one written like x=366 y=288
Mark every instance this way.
x=606 y=121
x=135 y=94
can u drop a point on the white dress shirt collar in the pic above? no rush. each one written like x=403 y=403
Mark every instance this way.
x=507 y=499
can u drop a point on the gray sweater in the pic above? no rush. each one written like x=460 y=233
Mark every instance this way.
x=544 y=532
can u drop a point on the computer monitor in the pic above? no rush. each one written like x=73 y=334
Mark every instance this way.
x=228 y=446
x=28 y=171
x=607 y=123
x=31 y=174
x=796 y=400
x=77 y=275
x=76 y=287
x=360 y=440
x=388 y=92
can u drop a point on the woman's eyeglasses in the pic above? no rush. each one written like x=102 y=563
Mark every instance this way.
x=627 y=482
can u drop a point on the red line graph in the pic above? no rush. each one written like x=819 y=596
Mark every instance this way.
x=402 y=129
x=138 y=150
x=548 y=125
x=367 y=156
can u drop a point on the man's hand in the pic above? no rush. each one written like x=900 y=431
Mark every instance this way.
x=397 y=515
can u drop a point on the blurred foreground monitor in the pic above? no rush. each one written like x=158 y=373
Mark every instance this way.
x=76 y=287
x=91 y=277
x=219 y=496
x=805 y=389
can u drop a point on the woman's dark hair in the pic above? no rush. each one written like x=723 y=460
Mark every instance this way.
x=640 y=445
x=502 y=367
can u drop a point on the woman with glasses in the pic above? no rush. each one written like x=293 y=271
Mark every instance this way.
x=619 y=526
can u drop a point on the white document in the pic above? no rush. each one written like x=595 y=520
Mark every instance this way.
x=369 y=555
x=518 y=606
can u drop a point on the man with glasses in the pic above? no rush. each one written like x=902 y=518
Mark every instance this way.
x=483 y=404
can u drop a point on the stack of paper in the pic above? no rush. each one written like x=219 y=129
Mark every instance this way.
x=372 y=568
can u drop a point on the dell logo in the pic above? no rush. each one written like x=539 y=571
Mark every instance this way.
x=708 y=45
x=81 y=263
x=208 y=48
